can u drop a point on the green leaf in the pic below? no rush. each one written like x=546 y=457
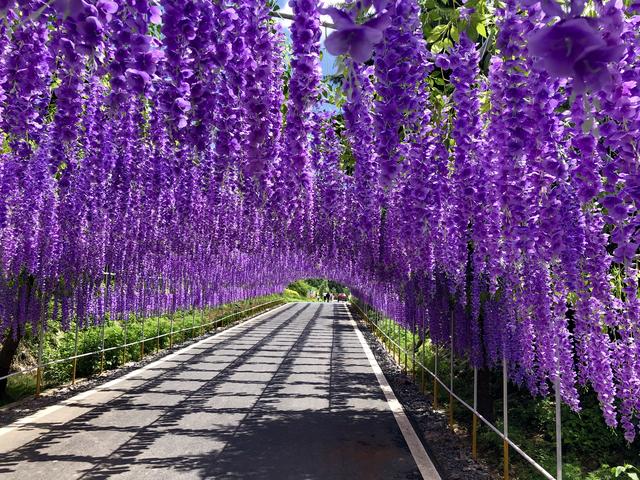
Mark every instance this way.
x=436 y=33
x=454 y=33
x=482 y=31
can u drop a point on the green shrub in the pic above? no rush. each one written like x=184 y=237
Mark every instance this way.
x=59 y=344
x=291 y=293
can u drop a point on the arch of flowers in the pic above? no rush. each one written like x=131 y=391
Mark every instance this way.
x=155 y=155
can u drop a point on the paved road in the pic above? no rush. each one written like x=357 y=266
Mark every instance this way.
x=288 y=395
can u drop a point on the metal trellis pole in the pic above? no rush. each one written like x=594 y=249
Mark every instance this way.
x=424 y=349
x=505 y=420
x=451 y=377
x=474 y=418
x=558 y=428
x=435 y=377
x=104 y=320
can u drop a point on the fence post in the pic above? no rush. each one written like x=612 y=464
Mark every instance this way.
x=406 y=370
x=40 y=369
x=396 y=329
x=558 y=428
x=424 y=350
x=505 y=420
x=474 y=419
x=157 y=331
x=171 y=329
x=107 y=304
x=102 y=346
x=451 y=377
x=202 y=317
x=143 y=315
x=435 y=376
x=75 y=355
x=124 y=345
x=193 y=315
x=413 y=349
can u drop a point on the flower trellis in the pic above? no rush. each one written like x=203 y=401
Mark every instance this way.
x=146 y=154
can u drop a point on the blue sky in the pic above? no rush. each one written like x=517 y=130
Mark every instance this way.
x=328 y=60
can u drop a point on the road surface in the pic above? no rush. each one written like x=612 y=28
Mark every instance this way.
x=291 y=394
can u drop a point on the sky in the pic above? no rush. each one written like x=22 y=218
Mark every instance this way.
x=328 y=61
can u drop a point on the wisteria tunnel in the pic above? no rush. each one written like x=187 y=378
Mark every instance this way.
x=371 y=239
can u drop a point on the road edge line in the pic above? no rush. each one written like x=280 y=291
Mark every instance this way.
x=418 y=452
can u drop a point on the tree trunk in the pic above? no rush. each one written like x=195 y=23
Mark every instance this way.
x=8 y=351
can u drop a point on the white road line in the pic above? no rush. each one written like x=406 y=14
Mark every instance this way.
x=54 y=408
x=425 y=465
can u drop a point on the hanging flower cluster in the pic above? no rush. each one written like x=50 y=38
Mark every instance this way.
x=153 y=159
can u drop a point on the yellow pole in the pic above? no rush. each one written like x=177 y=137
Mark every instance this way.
x=474 y=437
x=406 y=370
x=124 y=348
x=171 y=332
x=450 y=410
x=40 y=348
x=75 y=356
x=505 y=463
x=102 y=347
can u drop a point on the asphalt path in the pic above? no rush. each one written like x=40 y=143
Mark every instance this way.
x=291 y=394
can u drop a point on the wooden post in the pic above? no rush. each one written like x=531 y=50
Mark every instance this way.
x=102 y=345
x=124 y=345
x=157 y=332
x=406 y=368
x=39 y=371
x=171 y=330
x=75 y=355
x=202 y=316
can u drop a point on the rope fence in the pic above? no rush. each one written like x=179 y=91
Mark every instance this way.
x=392 y=346
x=224 y=320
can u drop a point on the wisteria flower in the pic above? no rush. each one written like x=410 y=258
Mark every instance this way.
x=465 y=13
x=356 y=40
x=574 y=48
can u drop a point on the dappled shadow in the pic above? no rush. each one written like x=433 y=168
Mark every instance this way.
x=294 y=397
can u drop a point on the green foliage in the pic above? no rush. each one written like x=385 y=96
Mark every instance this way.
x=442 y=22
x=301 y=287
x=59 y=344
